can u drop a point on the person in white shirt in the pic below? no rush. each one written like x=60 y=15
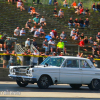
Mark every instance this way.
x=73 y=33
x=42 y=21
x=34 y=60
x=51 y=44
x=52 y=34
x=22 y=32
x=37 y=33
x=17 y=31
x=27 y=43
x=33 y=29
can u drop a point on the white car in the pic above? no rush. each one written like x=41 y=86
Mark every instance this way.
x=58 y=70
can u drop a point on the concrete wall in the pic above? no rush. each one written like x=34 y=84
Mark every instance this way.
x=4 y=74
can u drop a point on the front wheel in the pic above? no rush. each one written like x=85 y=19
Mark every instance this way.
x=43 y=82
x=75 y=86
x=94 y=85
x=22 y=84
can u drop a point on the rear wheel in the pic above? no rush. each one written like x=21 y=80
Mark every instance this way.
x=75 y=86
x=43 y=82
x=22 y=84
x=94 y=85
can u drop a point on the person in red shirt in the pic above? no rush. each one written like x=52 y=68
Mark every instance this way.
x=81 y=43
x=81 y=10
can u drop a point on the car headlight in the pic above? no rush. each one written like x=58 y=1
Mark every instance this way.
x=12 y=71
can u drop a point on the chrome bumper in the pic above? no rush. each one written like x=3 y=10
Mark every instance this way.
x=23 y=78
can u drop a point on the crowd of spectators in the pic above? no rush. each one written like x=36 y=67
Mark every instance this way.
x=49 y=43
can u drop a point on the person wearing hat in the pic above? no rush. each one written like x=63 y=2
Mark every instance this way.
x=22 y=32
x=27 y=43
x=73 y=33
x=61 y=45
x=36 y=20
x=28 y=24
x=52 y=34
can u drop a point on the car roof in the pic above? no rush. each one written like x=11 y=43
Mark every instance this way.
x=71 y=57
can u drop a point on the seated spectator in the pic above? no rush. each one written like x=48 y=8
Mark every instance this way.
x=94 y=7
x=45 y=45
x=35 y=43
x=6 y=59
x=70 y=22
x=98 y=37
x=91 y=40
x=29 y=10
x=81 y=43
x=48 y=37
x=42 y=33
x=76 y=22
x=61 y=13
x=37 y=33
x=80 y=4
x=22 y=32
x=86 y=41
x=27 y=43
x=81 y=10
x=65 y=3
x=28 y=24
x=55 y=12
x=87 y=11
x=81 y=22
x=20 y=5
x=8 y=44
x=72 y=33
x=42 y=21
x=36 y=20
x=77 y=31
x=55 y=3
x=55 y=33
x=76 y=37
x=52 y=34
x=33 y=29
x=87 y=22
x=52 y=46
x=74 y=5
x=82 y=36
x=95 y=48
x=63 y=35
x=98 y=7
x=61 y=45
x=17 y=32
x=34 y=12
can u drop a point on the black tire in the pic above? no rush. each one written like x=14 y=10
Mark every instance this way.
x=75 y=86
x=94 y=85
x=22 y=84
x=43 y=82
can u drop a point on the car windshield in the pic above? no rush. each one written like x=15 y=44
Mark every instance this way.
x=53 y=61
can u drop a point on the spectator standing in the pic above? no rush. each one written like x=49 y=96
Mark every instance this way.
x=37 y=33
x=17 y=32
x=36 y=20
x=42 y=21
x=63 y=35
x=6 y=59
x=70 y=22
x=2 y=43
x=28 y=24
x=27 y=43
x=45 y=45
x=22 y=32
x=28 y=57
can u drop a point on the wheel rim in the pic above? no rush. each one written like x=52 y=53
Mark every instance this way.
x=96 y=84
x=44 y=81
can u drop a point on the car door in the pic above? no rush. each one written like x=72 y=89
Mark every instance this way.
x=87 y=71
x=70 y=72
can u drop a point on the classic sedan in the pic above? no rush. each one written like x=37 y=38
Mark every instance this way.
x=58 y=70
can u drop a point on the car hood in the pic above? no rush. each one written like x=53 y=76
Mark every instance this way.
x=44 y=66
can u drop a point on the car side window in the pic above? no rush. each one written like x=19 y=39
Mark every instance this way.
x=84 y=64
x=71 y=63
